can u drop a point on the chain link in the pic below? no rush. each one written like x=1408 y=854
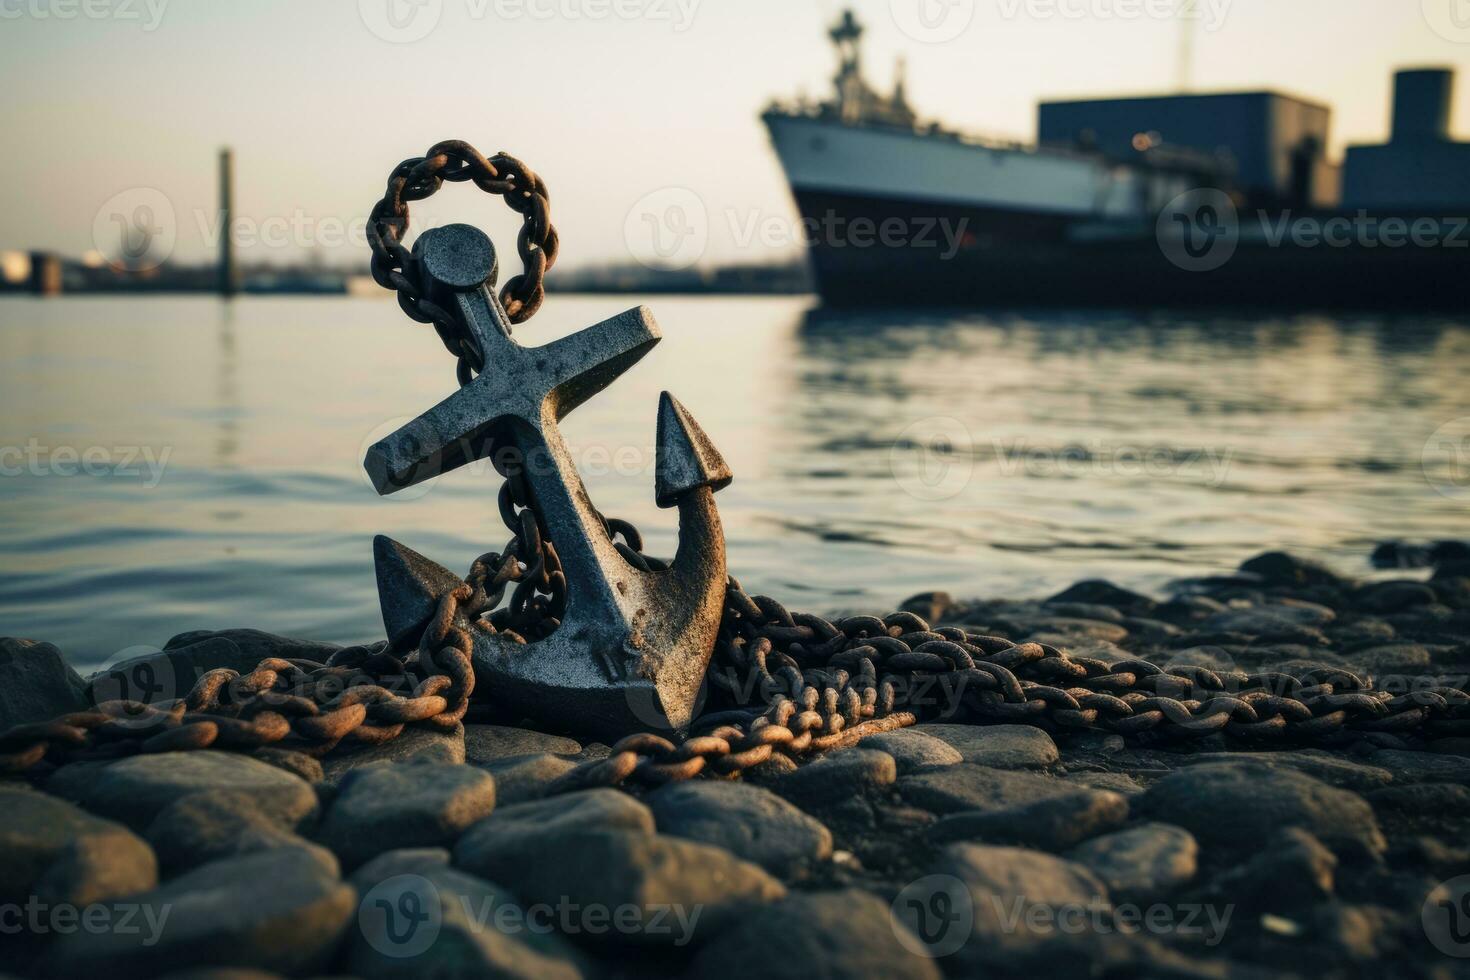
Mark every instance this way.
x=352 y=699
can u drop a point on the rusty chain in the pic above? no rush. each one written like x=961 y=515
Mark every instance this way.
x=351 y=700
x=785 y=684
x=394 y=266
x=829 y=685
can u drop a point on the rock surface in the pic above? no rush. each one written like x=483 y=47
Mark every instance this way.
x=703 y=888
x=490 y=743
x=750 y=822
x=416 y=744
x=1327 y=853
x=467 y=928
x=956 y=789
x=1143 y=863
x=36 y=684
x=136 y=789
x=506 y=844
x=1260 y=801
x=61 y=854
x=997 y=746
x=421 y=804
x=1051 y=824
x=822 y=934
x=213 y=824
x=280 y=910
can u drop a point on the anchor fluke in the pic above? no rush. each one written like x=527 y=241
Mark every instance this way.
x=686 y=458
x=409 y=587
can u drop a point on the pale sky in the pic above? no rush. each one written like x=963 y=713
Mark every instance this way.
x=101 y=97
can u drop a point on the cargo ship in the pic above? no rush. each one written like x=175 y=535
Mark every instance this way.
x=1188 y=199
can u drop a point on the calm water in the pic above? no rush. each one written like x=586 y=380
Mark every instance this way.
x=179 y=463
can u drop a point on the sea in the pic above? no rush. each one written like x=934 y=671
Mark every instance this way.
x=172 y=463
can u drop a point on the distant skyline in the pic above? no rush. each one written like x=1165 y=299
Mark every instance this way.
x=614 y=102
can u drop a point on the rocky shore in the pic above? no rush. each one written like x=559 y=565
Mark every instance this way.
x=938 y=850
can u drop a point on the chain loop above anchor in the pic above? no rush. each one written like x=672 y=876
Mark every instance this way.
x=394 y=267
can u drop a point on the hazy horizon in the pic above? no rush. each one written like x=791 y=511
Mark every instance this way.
x=610 y=100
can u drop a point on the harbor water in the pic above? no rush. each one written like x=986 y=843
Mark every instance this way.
x=174 y=463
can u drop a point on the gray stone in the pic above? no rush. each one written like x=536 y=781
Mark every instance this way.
x=967 y=787
x=594 y=751
x=403 y=861
x=1019 y=897
x=1064 y=632
x=258 y=644
x=1292 y=872
x=1104 y=593
x=303 y=765
x=1141 y=864
x=213 y=824
x=63 y=855
x=1331 y=768
x=170 y=673
x=652 y=873
x=490 y=743
x=1393 y=597
x=750 y=822
x=36 y=684
x=1086 y=610
x=1428 y=767
x=1268 y=619
x=1279 y=568
x=417 y=805
x=1391 y=658
x=1238 y=806
x=913 y=749
x=997 y=746
x=136 y=789
x=471 y=929
x=1117 y=782
x=837 y=778
x=501 y=844
x=928 y=606
x=527 y=777
x=281 y=910
x=415 y=744
x=1051 y=824
x=821 y=934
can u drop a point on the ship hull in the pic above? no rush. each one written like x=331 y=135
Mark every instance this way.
x=988 y=255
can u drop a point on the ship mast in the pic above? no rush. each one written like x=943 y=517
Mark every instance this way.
x=849 y=81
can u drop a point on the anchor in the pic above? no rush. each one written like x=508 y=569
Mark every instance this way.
x=632 y=646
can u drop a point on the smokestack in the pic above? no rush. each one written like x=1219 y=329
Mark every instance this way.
x=1422 y=99
x=229 y=282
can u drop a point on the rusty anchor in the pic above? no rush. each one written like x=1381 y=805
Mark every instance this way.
x=633 y=646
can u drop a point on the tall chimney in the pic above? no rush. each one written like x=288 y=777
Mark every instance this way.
x=1422 y=99
x=229 y=281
